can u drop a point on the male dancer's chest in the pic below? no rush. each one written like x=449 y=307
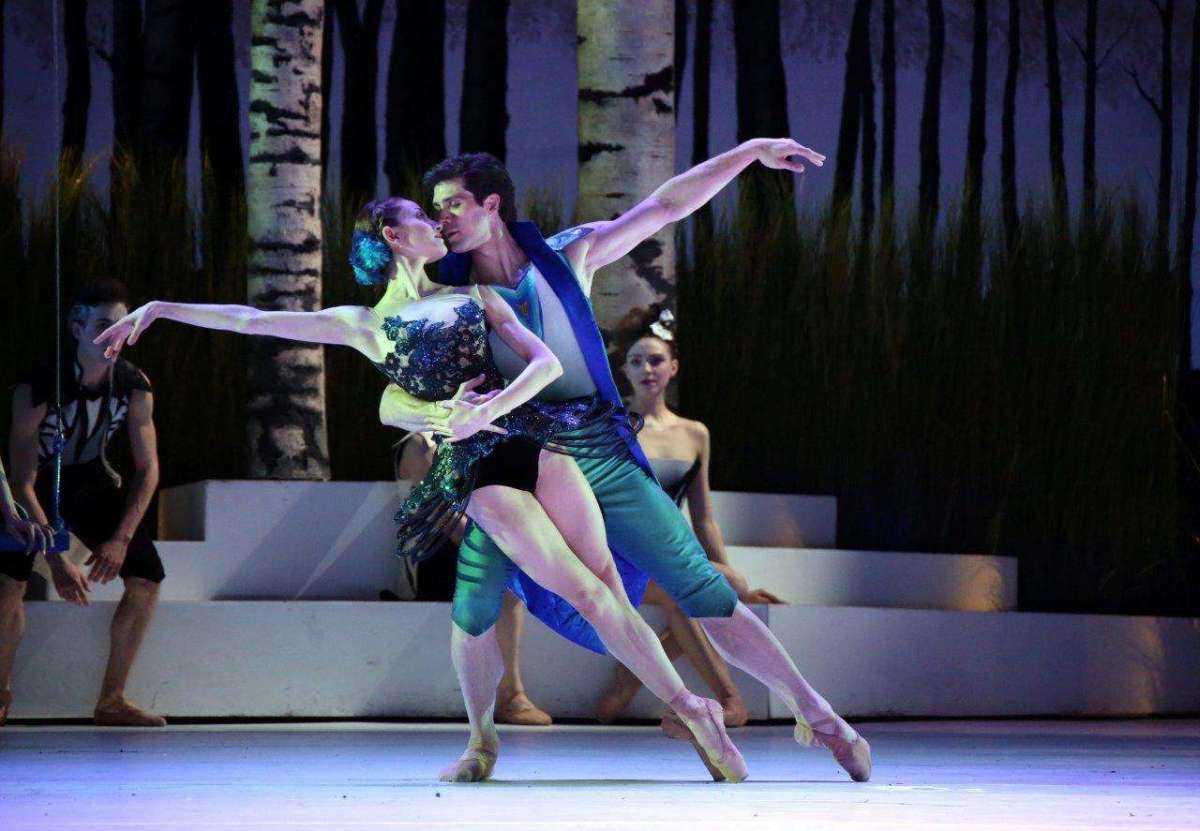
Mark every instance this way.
x=542 y=312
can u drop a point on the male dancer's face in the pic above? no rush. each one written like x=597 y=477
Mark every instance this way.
x=84 y=331
x=466 y=224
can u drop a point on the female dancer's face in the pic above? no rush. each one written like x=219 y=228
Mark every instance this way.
x=415 y=235
x=649 y=366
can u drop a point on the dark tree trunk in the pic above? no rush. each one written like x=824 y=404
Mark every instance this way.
x=1187 y=224
x=360 y=81
x=223 y=183
x=1 y=72
x=328 y=52
x=416 y=116
x=851 y=119
x=484 y=117
x=78 y=96
x=977 y=126
x=931 y=119
x=1008 y=129
x=127 y=68
x=1058 y=171
x=216 y=81
x=701 y=86
x=681 y=48
x=1089 y=112
x=887 y=161
x=868 y=131
x=761 y=92
x=1162 y=237
x=169 y=42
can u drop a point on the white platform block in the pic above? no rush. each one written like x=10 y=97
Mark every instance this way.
x=913 y=662
x=834 y=577
x=342 y=659
x=271 y=540
x=781 y=520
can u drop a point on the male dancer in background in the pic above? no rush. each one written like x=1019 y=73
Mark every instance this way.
x=547 y=282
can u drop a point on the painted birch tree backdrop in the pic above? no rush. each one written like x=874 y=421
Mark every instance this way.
x=972 y=326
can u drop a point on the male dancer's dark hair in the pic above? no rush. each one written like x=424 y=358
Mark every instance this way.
x=482 y=174
x=99 y=292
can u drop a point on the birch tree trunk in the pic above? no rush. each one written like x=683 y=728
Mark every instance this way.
x=285 y=409
x=626 y=141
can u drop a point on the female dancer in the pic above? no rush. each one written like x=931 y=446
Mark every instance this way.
x=534 y=503
x=678 y=450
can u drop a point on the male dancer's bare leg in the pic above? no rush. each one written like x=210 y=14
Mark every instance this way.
x=745 y=641
x=537 y=547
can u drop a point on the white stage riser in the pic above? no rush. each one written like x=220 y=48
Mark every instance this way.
x=340 y=659
x=841 y=577
x=334 y=541
x=815 y=577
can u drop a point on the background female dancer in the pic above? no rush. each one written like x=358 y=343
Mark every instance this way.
x=534 y=503
x=678 y=450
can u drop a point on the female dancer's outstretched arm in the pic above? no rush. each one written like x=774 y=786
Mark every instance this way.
x=341 y=325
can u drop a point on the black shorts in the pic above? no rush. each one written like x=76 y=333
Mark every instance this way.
x=513 y=463
x=92 y=507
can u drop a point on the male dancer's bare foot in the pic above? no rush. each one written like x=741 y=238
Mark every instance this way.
x=700 y=721
x=619 y=695
x=5 y=703
x=477 y=762
x=849 y=749
x=121 y=712
x=518 y=709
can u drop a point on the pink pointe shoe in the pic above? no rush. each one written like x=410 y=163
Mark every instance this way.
x=854 y=755
x=720 y=756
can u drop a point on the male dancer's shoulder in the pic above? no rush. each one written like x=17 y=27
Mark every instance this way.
x=564 y=238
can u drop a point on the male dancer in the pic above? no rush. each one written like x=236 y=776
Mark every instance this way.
x=547 y=283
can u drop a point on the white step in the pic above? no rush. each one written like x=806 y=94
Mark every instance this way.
x=838 y=577
x=390 y=659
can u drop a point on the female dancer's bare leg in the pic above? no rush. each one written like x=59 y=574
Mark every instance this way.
x=519 y=525
x=682 y=637
x=576 y=513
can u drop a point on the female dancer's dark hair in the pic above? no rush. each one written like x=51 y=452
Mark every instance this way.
x=370 y=255
x=655 y=321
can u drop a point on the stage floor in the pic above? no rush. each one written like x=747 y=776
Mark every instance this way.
x=1007 y=775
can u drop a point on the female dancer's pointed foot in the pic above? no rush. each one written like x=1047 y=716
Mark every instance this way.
x=702 y=723
x=617 y=698
x=849 y=749
x=475 y=765
x=518 y=709
x=5 y=703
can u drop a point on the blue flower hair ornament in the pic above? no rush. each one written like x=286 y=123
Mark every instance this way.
x=371 y=258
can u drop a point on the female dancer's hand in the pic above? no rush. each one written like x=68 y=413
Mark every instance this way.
x=760 y=596
x=127 y=330
x=467 y=419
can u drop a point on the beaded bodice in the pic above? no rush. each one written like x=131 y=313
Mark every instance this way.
x=431 y=358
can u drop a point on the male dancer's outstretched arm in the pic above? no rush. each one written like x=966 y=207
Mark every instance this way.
x=677 y=198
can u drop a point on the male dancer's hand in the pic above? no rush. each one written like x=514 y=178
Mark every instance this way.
x=780 y=154
x=68 y=579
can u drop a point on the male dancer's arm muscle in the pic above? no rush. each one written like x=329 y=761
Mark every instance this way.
x=108 y=557
x=677 y=198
